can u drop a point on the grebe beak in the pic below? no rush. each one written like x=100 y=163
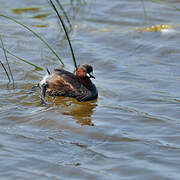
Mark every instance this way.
x=90 y=75
x=48 y=71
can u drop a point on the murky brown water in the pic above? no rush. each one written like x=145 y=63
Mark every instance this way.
x=131 y=132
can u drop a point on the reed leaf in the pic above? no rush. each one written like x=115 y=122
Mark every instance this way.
x=5 y=71
x=145 y=13
x=66 y=33
x=166 y=3
x=5 y=55
x=21 y=59
x=64 y=12
x=37 y=35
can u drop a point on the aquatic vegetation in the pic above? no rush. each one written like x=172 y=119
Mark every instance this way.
x=64 y=12
x=5 y=70
x=37 y=35
x=24 y=10
x=154 y=28
x=166 y=3
x=66 y=33
x=145 y=13
x=40 y=16
x=40 y=25
x=170 y=5
x=9 y=68
x=21 y=59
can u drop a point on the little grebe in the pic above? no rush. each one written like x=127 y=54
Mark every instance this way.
x=64 y=83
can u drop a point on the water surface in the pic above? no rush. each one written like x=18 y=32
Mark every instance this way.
x=131 y=132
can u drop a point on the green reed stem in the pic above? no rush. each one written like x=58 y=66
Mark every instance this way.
x=64 y=12
x=5 y=55
x=145 y=13
x=166 y=3
x=67 y=36
x=21 y=59
x=37 y=35
x=5 y=71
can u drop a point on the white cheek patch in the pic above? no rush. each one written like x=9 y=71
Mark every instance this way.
x=88 y=75
x=44 y=80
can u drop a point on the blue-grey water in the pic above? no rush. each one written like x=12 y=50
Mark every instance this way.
x=132 y=132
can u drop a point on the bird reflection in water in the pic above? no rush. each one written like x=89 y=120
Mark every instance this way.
x=80 y=111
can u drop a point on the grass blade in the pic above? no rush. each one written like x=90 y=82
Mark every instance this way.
x=5 y=71
x=67 y=36
x=21 y=59
x=64 y=12
x=145 y=13
x=37 y=35
x=5 y=55
x=166 y=3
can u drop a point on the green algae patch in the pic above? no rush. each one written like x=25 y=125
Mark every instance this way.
x=154 y=28
x=25 y=10
x=41 y=16
x=40 y=25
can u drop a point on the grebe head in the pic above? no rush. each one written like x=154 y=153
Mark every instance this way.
x=84 y=71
